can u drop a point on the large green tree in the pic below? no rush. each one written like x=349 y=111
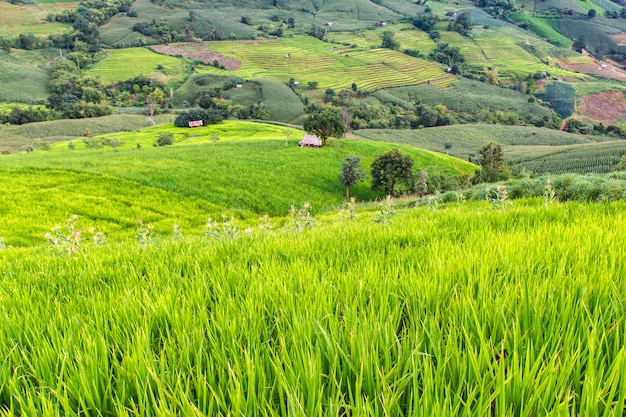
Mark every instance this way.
x=324 y=124
x=390 y=169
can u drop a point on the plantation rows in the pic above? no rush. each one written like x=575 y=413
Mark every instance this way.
x=601 y=158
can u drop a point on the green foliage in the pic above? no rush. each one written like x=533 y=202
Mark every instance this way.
x=498 y=197
x=325 y=123
x=351 y=173
x=248 y=172
x=69 y=240
x=210 y=116
x=164 y=139
x=300 y=219
x=391 y=169
x=146 y=236
x=492 y=164
x=561 y=97
x=227 y=230
x=463 y=23
x=386 y=210
x=388 y=40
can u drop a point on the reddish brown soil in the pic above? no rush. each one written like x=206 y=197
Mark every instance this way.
x=619 y=38
x=601 y=69
x=608 y=107
x=200 y=51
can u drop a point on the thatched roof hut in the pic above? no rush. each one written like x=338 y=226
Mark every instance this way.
x=310 y=140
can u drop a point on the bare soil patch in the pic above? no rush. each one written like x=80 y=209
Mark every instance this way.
x=608 y=107
x=599 y=68
x=199 y=51
x=619 y=38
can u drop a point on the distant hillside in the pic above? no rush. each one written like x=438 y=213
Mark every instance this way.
x=213 y=19
x=534 y=149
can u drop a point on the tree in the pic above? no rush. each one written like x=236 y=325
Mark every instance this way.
x=351 y=173
x=324 y=124
x=388 y=40
x=389 y=169
x=491 y=161
x=5 y=45
x=463 y=23
x=591 y=13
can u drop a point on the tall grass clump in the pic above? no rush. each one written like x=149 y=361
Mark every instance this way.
x=460 y=311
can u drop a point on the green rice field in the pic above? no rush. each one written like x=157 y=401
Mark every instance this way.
x=464 y=310
x=124 y=64
x=538 y=150
x=332 y=67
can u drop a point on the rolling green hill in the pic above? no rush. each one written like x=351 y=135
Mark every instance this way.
x=251 y=170
x=536 y=150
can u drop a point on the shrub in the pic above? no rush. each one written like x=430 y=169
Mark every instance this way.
x=164 y=139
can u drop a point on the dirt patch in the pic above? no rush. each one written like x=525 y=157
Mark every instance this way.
x=604 y=69
x=619 y=38
x=199 y=51
x=608 y=107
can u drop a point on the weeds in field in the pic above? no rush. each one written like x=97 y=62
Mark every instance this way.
x=300 y=219
x=498 y=197
x=66 y=241
x=146 y=236
x=178 y=232
x=349 y=211
x=265 y=223
x=549 y=194
x=386 y=210
x=226 y=230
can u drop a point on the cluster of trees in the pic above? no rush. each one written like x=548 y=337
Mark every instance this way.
x=76 y=96
x=20 y=115
x=394 y=173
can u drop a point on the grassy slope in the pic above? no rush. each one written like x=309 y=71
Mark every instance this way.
x=17 y=138
x=252 y=170
x=22 y=82
x=24 y=18
x=538 y=150
x=461 y=311
x=124 y=64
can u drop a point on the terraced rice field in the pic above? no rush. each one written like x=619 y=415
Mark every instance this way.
x=311 y=60
x=406 y=34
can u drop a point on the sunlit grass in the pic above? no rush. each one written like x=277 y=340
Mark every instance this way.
x=460 y=311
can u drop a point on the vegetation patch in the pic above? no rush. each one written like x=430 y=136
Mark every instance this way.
x=124 y=64
x=587 y=65
x=25 y=18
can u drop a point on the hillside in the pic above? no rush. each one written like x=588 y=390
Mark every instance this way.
x=233 y=168
x=537 y=150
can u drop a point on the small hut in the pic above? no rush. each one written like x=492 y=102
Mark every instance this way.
x=310 y=141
